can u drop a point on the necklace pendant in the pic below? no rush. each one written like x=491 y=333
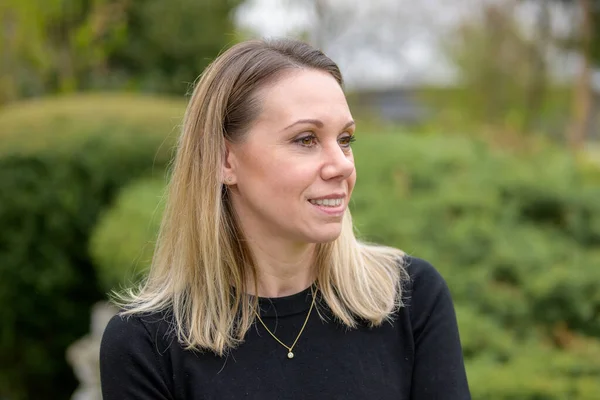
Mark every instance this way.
x=290 y=355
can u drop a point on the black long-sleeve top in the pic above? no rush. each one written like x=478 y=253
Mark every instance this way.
x=418 y=356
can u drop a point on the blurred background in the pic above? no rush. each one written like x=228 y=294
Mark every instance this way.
x=478 y=149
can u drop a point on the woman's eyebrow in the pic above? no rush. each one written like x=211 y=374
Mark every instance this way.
x=348 y=125
x=317 y=123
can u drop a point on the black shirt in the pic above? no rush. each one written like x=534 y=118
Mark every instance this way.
x=418 y=356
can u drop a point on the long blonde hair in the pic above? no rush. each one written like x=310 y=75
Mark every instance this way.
x=200 y=263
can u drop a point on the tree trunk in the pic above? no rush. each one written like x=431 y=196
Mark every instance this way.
x=538 y=73
x=319 y=30
x=582 y=99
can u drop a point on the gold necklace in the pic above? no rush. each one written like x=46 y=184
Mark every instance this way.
x=289 y=348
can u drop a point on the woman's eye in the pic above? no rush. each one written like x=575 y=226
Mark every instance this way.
x=307 y=141
x=346 y=141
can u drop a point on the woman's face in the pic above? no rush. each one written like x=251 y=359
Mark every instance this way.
x=293 y=173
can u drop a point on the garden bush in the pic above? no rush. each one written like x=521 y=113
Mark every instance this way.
x=515 y=235
x=48 y=284
x=495 y=224
x=66 y=123
x=62 y=161
x=128 y=229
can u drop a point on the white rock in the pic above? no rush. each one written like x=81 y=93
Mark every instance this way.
x=83 y=355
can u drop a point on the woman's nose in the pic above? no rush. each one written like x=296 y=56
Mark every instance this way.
x=339 y=163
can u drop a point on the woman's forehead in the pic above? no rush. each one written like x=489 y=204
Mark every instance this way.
x=303 y=94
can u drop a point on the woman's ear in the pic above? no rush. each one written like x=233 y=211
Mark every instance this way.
x=229 y=166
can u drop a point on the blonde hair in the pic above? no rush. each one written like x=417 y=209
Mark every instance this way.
x=200 y=263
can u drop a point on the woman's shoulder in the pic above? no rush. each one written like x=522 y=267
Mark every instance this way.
x=421 y=273
x=135 y=358
x=424 y=285
x=134 y=330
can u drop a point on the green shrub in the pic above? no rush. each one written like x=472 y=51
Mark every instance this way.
x=537 y=372
x=47 y=206
x=129 y=231
x=62 y=161
x=516 y=237
x=482 y=335
x=494 y=224
x=65 y=124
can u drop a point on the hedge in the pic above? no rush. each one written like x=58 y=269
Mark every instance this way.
x=66 y=123
x=62 y=161
x=129 y=221
x=515 y=235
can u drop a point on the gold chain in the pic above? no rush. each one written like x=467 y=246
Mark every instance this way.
x=290 y=353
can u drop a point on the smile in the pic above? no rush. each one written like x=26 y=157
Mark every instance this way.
x=327 y=202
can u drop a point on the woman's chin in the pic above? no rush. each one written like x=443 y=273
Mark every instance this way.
x=325 y=235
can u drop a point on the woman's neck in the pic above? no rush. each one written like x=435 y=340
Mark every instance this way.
x=282 y=270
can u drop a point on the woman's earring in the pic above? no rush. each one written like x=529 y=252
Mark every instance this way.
x=229 y=179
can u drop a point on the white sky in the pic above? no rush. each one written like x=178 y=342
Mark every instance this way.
x=382 y=42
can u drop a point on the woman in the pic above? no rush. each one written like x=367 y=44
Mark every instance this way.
x=258 y=288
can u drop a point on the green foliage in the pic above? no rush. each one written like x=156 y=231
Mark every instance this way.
x=62 y=162
x=66 y=123
x=573 y=40
x=54 y=45
x=504 y=231
x=129 y=233
x=503 y=76
x=538 y=372
x=502 y=367
x=481 y=334
x=47 y=208
x=492 y=57
x=71 y=45
x=516 y=237
x=169 y=43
